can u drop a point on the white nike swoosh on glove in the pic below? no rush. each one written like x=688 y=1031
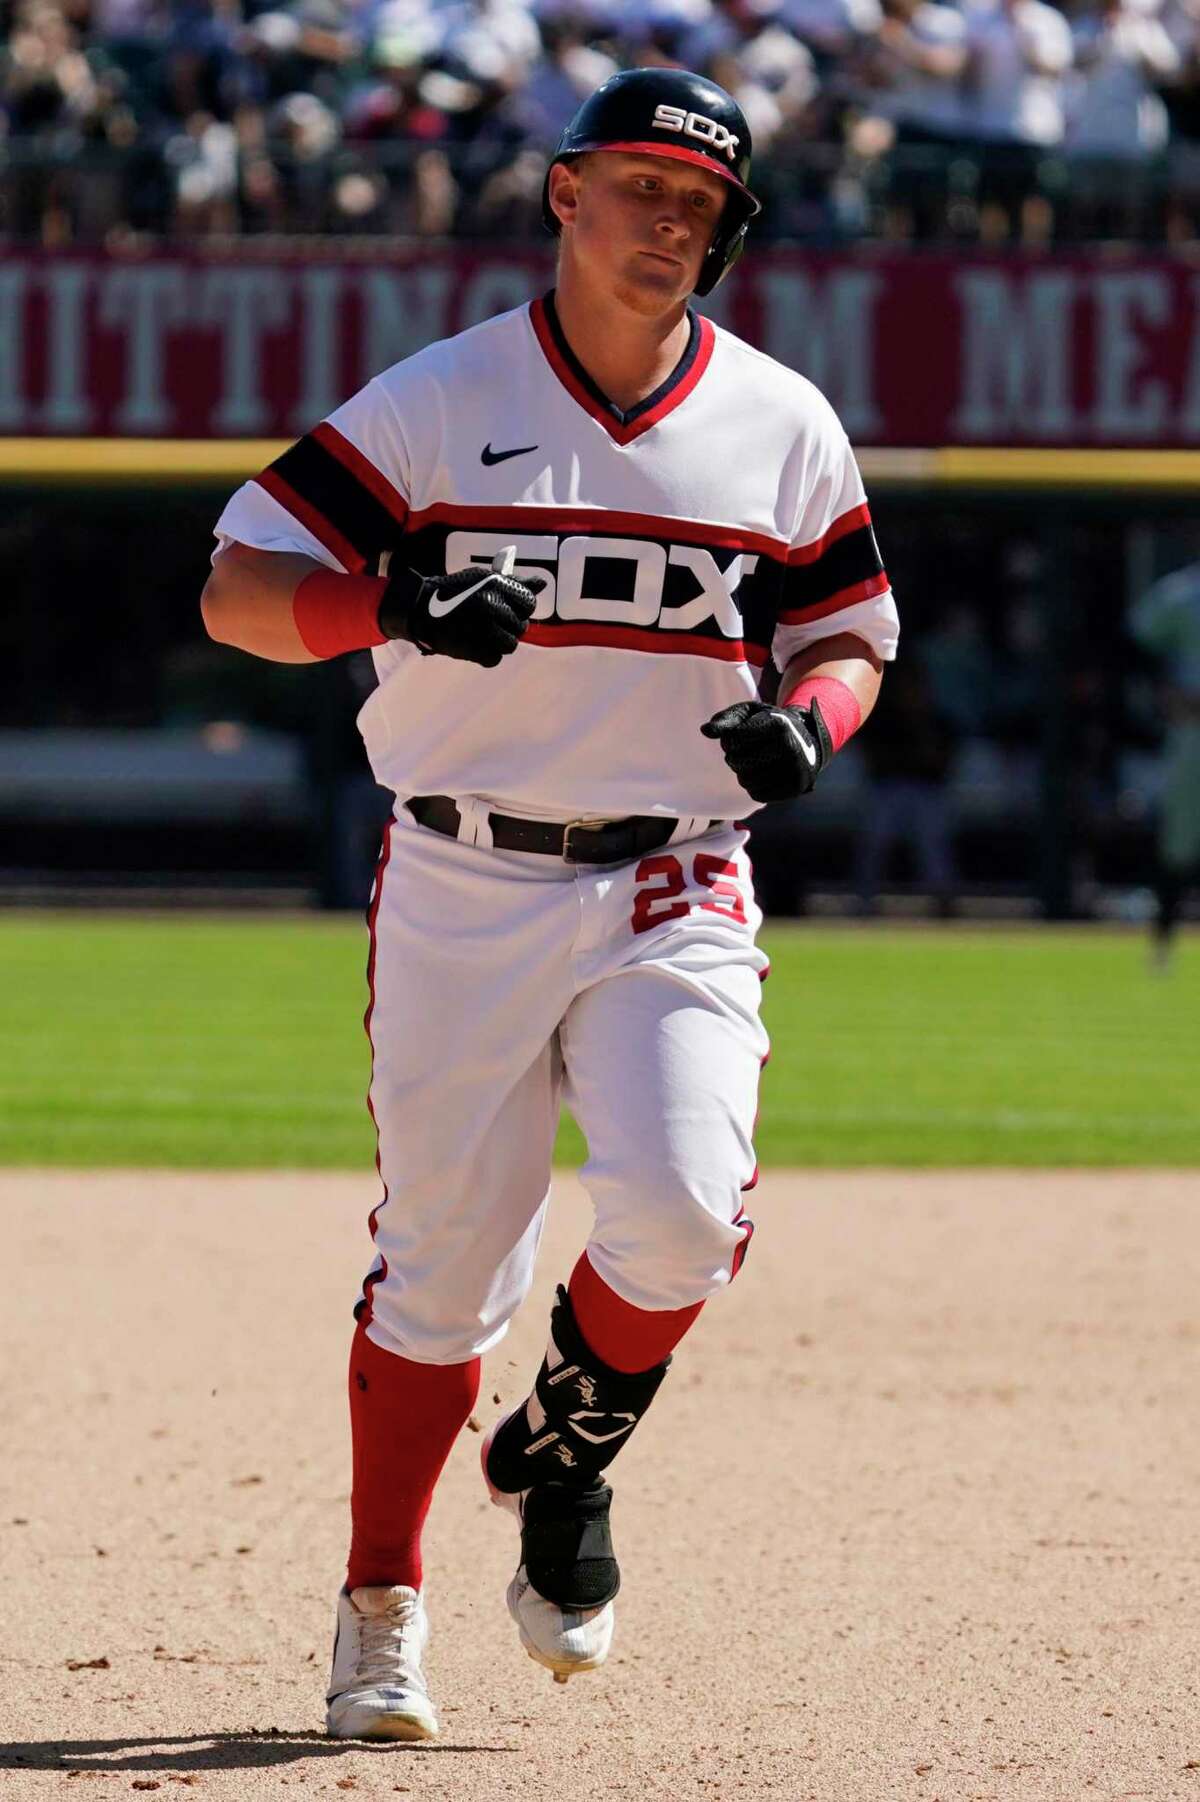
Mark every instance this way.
x=440 y=605
x=502 y=565
x=809 y=752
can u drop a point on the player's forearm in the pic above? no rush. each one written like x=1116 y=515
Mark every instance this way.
x=247 y=602
x=843 y=658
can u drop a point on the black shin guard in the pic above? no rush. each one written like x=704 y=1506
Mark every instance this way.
x=579 y=1416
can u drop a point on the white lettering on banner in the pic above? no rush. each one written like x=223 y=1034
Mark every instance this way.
x=320 y=385
x=14 y=284
x=562 y=567
x=650 y=568
x=1125 y=299
x=465 y=548
x=491 y=290
x=143 y=301
x=66 y=407
x=1188 y=424
x=717 y=589
x=246 y=304
x=1034 y=351
x=1016 y=356
x=827 y=331
x=403 y=311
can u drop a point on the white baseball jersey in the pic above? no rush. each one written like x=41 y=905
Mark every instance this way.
x=719 y=523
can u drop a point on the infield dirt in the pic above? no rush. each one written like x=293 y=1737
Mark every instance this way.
x=915 y=1515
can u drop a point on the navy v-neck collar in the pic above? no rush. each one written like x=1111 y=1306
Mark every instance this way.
x=629 y=415
x=623 y=424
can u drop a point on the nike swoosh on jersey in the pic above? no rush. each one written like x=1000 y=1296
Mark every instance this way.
x=488 y=456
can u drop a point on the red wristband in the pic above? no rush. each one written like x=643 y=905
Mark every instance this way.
x=338 y=613
x=839 y=705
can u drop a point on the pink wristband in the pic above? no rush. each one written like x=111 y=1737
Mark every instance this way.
x=338 y=613
x=839 y=706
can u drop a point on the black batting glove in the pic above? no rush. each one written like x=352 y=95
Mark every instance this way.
x=475 y=614
x=776 y=753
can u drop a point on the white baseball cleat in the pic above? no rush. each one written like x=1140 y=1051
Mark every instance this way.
x=564 y=1639
x=377 y=1688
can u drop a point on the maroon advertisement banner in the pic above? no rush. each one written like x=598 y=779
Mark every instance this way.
x=911 y=349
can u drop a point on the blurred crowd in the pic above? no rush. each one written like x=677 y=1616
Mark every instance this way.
x=902 y=118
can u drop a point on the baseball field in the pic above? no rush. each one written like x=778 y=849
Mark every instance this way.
x=914 y=1518
x=227 y=1043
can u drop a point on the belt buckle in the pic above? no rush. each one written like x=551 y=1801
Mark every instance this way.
x=584 y=824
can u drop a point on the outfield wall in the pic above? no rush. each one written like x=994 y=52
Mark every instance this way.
x=1054 y=350
x=976 y=470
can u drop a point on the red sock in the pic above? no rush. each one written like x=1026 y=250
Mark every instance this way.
x=627 y=1338
x=404 y=1417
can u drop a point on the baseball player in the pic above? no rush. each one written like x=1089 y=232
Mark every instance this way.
x=573 y=536
x=1166 y=621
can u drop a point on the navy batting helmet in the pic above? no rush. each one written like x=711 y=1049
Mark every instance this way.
x=669 y=112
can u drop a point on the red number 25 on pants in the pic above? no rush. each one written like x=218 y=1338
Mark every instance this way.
x=657 y=903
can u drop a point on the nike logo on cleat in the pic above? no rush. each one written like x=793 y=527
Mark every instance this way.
x=488 y=456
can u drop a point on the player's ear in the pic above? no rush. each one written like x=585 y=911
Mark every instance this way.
x=566 y=179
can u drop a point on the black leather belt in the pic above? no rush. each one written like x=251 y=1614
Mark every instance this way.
x=578 y=842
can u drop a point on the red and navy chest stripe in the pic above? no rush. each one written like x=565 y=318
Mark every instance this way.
x=327 y=485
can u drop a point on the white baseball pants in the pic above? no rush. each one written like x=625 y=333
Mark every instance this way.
x=502 y=981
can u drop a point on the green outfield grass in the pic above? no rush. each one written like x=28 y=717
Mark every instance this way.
x=131 y=1041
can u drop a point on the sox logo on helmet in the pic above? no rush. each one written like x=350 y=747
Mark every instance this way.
x=709 y=131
